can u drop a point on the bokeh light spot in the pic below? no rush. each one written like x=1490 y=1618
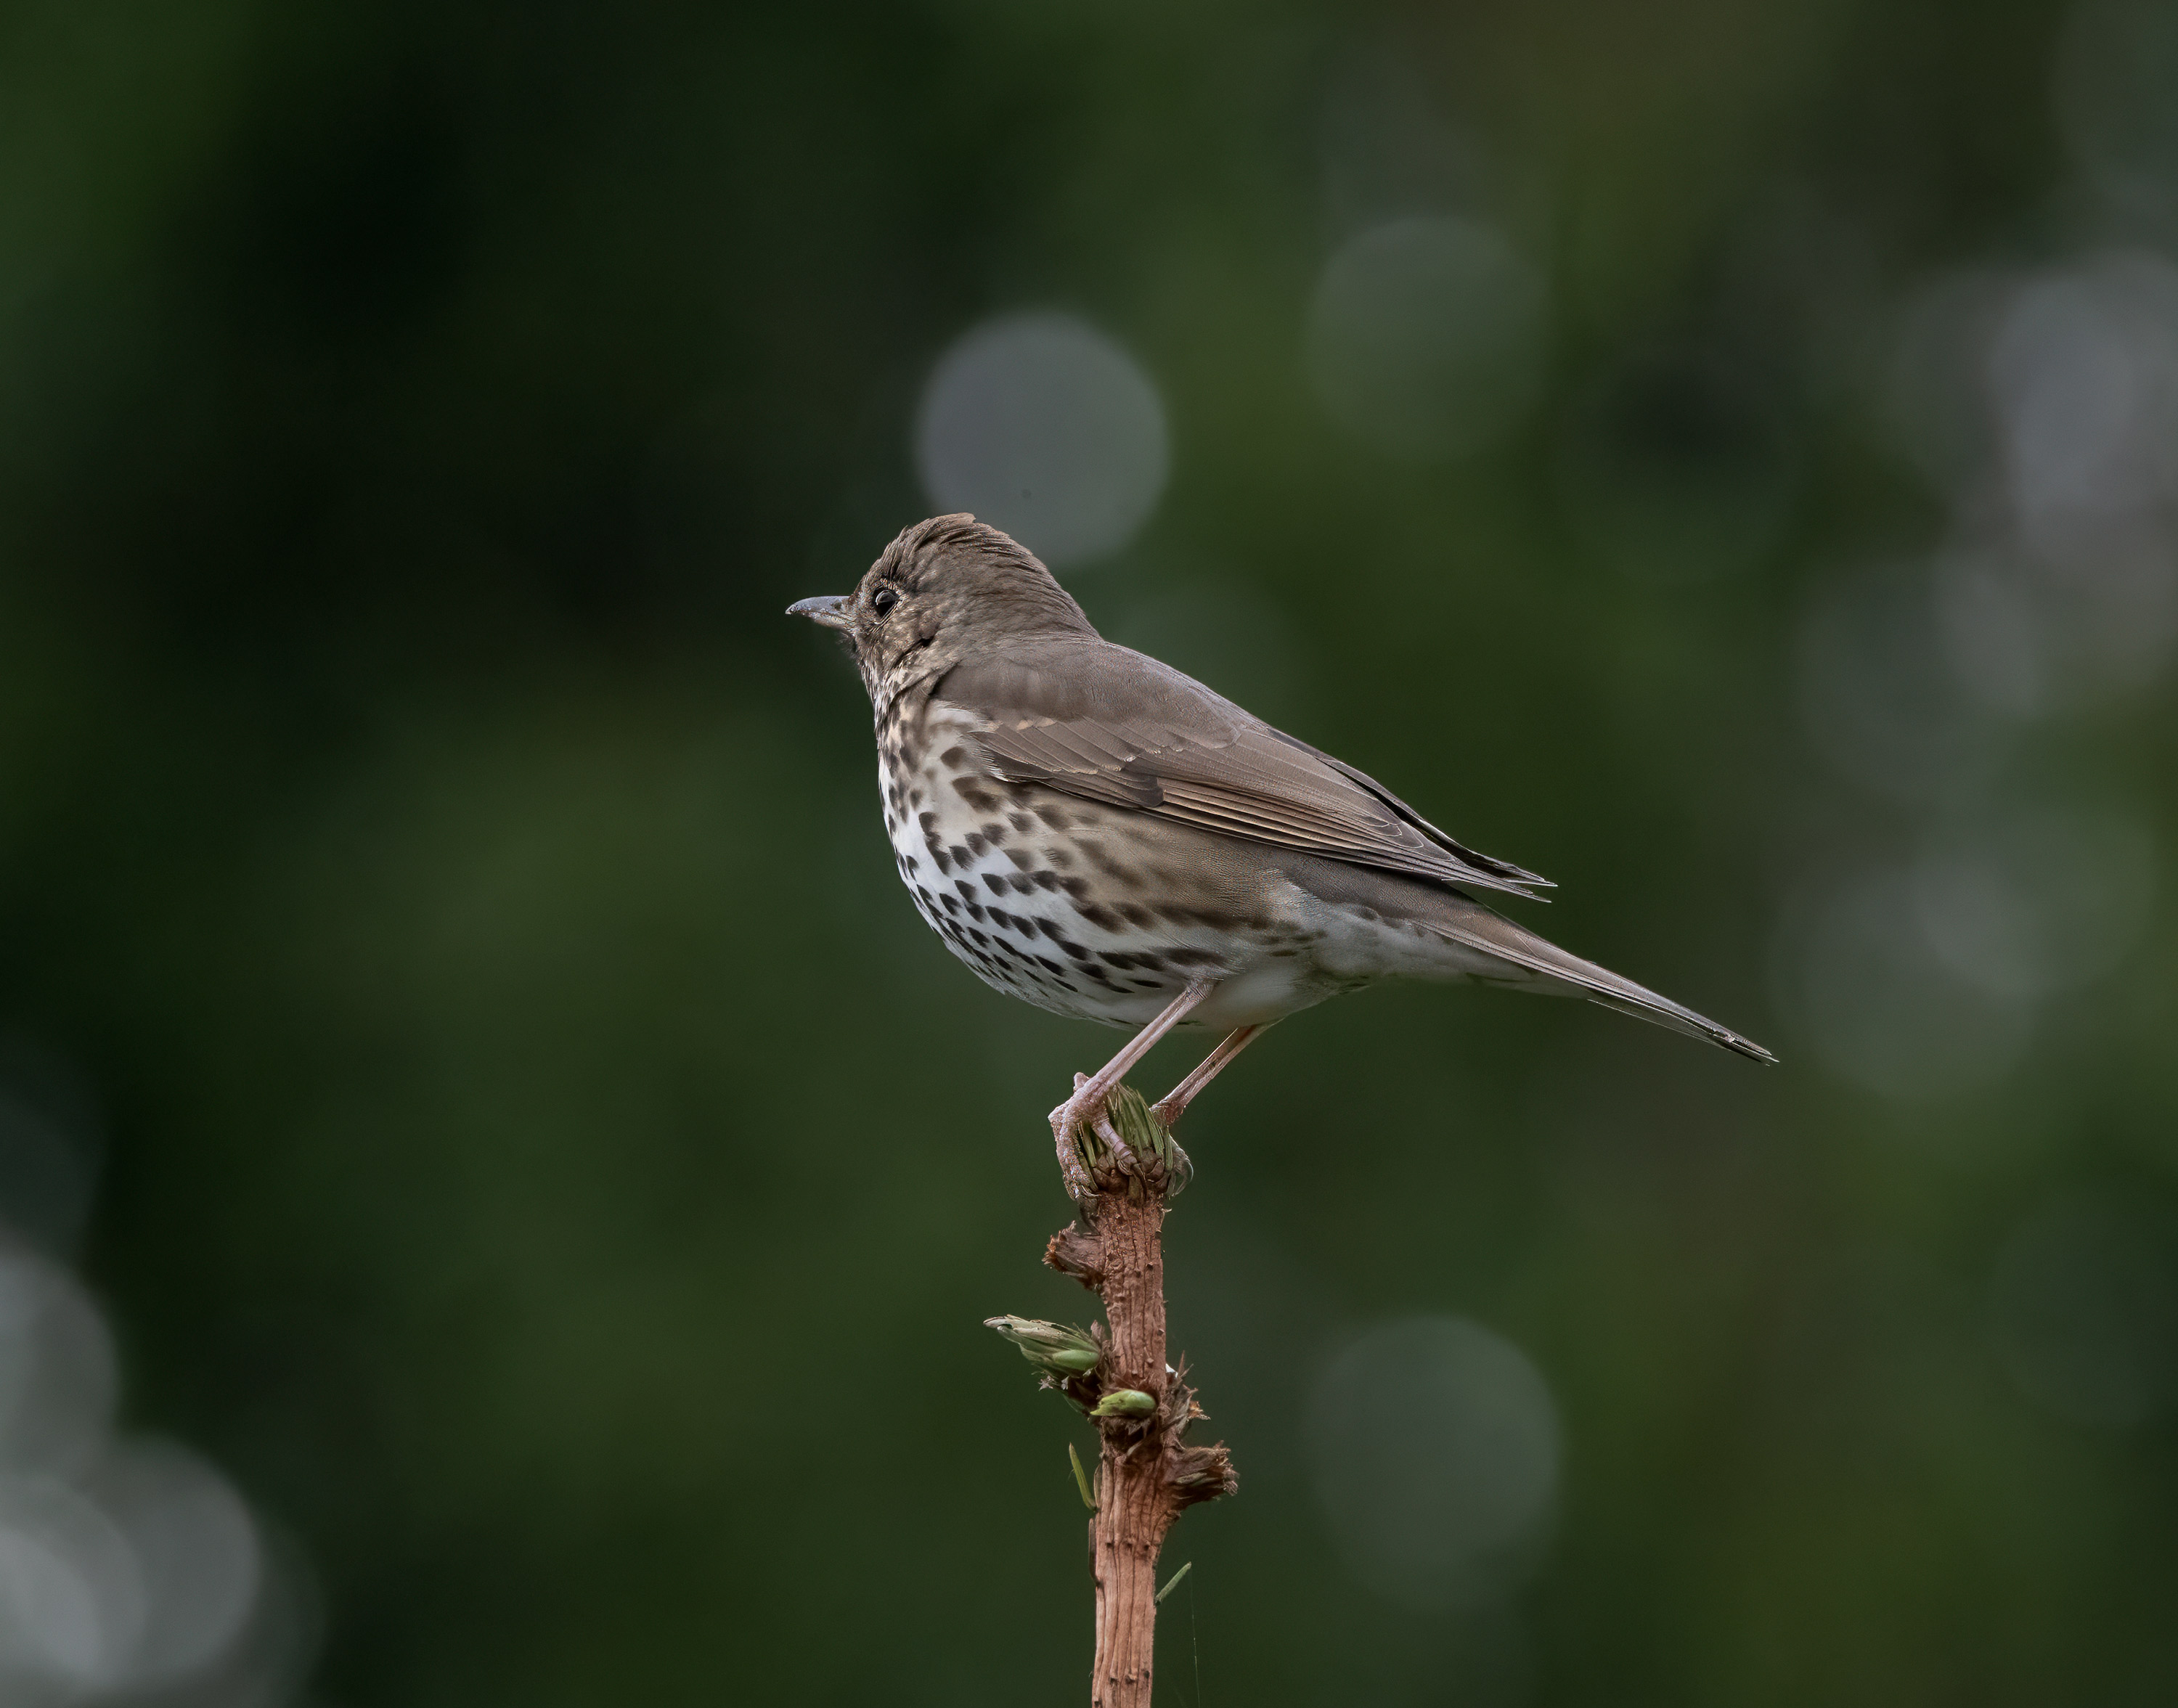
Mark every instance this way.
x=57 y=1375
x=196 y=1552
x=1042 y=426
x=1882 y=1007
x=2037 y=900
x=1877 y=696
x=1435 y=1447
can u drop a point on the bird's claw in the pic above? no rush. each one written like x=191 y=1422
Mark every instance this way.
x=1081 y=1184
x=1181 y=1168
x=1067 y=1122
x=1122 y=1153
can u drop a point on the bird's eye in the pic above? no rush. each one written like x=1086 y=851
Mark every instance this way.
x=884 y=600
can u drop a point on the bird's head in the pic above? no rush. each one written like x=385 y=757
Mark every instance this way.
x=945 y=589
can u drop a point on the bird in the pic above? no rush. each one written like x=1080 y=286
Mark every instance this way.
x=1095 y=832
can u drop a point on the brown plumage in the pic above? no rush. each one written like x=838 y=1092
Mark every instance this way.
x=1094 y=832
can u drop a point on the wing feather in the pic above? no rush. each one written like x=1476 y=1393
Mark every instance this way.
x=1105 y=724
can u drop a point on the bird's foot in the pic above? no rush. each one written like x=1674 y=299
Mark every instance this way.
x=1089 y=1167
x=1081 y=1184
x=1167 y=1115
x=1084 y=1112
x=1179 y=1167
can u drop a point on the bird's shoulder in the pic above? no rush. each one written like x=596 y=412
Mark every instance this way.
x=1076 y=678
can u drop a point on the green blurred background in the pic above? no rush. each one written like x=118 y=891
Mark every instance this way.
x=460 y=1026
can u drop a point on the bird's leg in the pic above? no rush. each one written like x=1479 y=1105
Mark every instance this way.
x=1086 y=1106
x=1174 y=1104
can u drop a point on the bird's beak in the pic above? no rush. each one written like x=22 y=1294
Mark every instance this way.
x=829 y=609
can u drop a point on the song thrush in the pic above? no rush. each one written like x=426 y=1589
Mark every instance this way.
x=1093 y=832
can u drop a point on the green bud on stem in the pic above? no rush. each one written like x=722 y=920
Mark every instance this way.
x=1052 y=1347
x=1125 y=1402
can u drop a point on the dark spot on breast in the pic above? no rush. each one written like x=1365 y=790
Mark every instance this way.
x=1103 y=917
x=1123 y=962
x=978 y=938
x=1191 y=957
x=1021 y=885
x=953 y=757
x=959 y=855
x=1148 y=984
x=1020 y=858
x=1050 y=965
x=1060 y=857
x=994 y=833
x=974 y=911
x=993 y=883
x=952 y=903
x=1076 y=887
x=1020 y=822
x=1136 y=916
x=975 y=843
x=928 y=821
x=915 y=797
x=1044 y=880
x=1053 y=818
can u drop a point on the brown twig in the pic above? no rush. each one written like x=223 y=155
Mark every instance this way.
x=1142 y=1406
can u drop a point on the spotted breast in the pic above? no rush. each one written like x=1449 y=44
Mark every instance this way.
x=1103 y=914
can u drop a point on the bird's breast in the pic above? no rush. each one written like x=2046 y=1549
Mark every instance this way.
x=1086 y=910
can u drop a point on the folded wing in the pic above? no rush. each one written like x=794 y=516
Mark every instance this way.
x=1106 y=723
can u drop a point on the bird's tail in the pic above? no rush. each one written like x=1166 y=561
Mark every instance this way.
x=1552 y=971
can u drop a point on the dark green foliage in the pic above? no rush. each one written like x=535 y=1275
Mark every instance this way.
x=549 y=1165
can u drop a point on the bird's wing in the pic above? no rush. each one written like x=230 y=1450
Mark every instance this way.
x=1105 y=724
